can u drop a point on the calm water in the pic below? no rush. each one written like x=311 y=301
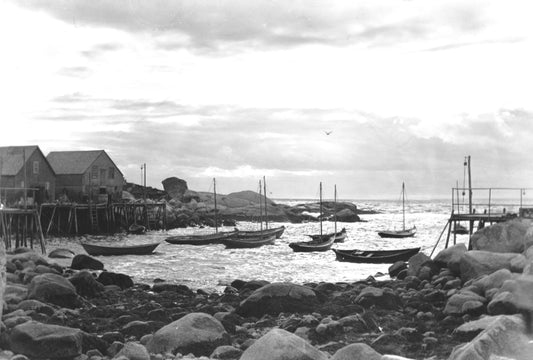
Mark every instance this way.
x=212 y=266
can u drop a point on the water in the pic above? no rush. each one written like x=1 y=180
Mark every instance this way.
x=213 y=266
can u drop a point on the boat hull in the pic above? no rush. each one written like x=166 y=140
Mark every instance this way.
x=205 y=239
x=340 y=236
x=246 y=242
x=96 y=250
x=314 y=245
x=275 y=231
x=397 y=233
x=375 y=256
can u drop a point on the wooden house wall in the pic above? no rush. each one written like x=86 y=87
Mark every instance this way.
x=71 y=185
x=107 y=176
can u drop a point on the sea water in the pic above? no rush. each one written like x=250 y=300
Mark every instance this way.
x=213 y=266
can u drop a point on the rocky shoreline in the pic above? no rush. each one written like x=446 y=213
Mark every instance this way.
x=459 y=305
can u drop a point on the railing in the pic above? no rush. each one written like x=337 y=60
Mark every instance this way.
x=491 y=199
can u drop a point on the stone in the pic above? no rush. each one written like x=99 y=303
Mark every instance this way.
x=37 y=306
x=469 y=330
x=512 y=236
x=196 y=333
x=14 y=294
x=451 y=257
x=82 y=261
x=395 y=268
x=503 y=303
x=226 y=352
x=416 y=262
x=505 y=336
x=35 y=339
x=473 y=308
x=454 y=305
x=476 y=263
x=356 y=351
x=54 y=289
x=494 y=280
x=110 y=278
x=175 y=187
x=134 y=351
x=61 y=253
x=136 y=328
x=276 y=298
x=384 y=298
x=85 y=284
x=279 y=344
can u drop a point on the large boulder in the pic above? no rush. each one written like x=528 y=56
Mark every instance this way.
x=456 y=303
x=110 y=278
x=384 y=298
x=133 y=351
x=196 y=333
x=347 y=215
x=54 y=289
x=82 y=261
x=356 y=351
x=416 y=262
x=276 y=298
x=279 y=344
x=175 y=187
x=476 y=263
x=451 y=257
x=37 y=340
x=492 y=281
x=510 y=236
x=85 y=284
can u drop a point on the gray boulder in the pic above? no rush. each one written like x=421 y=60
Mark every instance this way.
x=451 y=257
x=384 y=298
x=36 y=340
x=85 y=284
x=175 y=187
x=356 y=351
x=476 y=263
x=492 y=281
x=82 y=261
x=279 y=344
x=196 y=333
x=416 y=262
x=54 y=289
x=276 y=298
x=456 y=303
x=133 y=351
x=510 y=236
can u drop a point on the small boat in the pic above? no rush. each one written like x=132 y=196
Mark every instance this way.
x=276 y=231
x=238 y=242
x=375 y=256
x=199 y=239
x=340 y=236
x=96 y=249
x=136 y=229
x=460 y=229
x=399 y=233
x=320 y=243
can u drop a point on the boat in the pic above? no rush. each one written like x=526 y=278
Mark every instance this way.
x=399 y=233
x=238 y=242
x=108 y=250
x=199 y=239
x=375 y=256
x=136 y=229
x=340 y=236
x=278 y=231
x=319 y=242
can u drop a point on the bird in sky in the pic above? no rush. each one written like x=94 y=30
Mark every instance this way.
x=328 y=132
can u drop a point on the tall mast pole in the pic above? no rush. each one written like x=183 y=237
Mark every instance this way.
x=25 y=179
x=260 y=206
x=335 y=208
x=144 y=189
x=320 y=208
x=470 y=194
x=265 y=193
x=403 y=204
x=215 y=196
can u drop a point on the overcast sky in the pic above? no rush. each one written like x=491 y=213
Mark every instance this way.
x=239 y=90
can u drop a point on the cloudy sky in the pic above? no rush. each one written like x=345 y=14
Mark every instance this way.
x=243 y=89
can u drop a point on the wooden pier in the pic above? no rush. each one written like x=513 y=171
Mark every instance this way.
x=21 y=228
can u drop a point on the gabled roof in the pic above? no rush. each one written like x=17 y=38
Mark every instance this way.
x=12 y=158
x=74 y=162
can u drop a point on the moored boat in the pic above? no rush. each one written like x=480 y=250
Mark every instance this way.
x=340 y=236
x=136 y=229
x=238 y=242
x=108 y=250
x=275 y=231
x=375 y=256
x=320 y=243
x=403 y=233
x=200 y=239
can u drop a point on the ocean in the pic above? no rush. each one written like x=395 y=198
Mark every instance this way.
x=212 y=267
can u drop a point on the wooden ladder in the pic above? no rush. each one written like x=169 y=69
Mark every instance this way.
x=93 y=214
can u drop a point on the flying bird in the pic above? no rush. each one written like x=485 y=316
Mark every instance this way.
x=328 y=132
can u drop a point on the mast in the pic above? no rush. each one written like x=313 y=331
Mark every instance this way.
x=144 y=189
x=335 y=208
x=215 y=197
x=403 y=204
x=321 y=208
x=25 y=179
x=260 y=206
x=470 y=194
x=265 y=192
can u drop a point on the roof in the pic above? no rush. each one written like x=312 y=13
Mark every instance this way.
x=12 y=158
x=74 y=162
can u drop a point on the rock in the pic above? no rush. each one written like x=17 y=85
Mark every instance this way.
x=356 y=351
x=505 y=336
x=54 y=289
x=416 y=262
x=512 y=236
x=467 y=331
x=347 y=215
x=451 y=257
x=110 y=278
x=34 y=340
x=134 y=351
x=473 y=308
x=384 y=298
x=476 y=263
x=226 y=352
x=276 y=298
x=175 y=187
x=37 y=306
x=85 y=284
x=136 y=328
x=494 y=280
x=196 y=333
x=502 y=304
x=279 y=344
x=14 y=294
x=395 y=268
x=82 y=261
x=454 y=305
x=61 y=253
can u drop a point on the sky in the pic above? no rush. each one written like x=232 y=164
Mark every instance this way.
x=363 y=95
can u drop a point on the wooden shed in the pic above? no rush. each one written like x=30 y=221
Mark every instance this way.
x=81 y=175
x=25 y=167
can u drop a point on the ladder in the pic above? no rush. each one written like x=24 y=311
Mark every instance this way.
x=93 y=215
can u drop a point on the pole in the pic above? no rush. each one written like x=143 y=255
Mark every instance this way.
x=25 y=177
x=470 y=194
x=144 y=190
x=320 y=208
x=215 y=196
x=2 y=163
x=260 y=206
x=265 y=192
x=403 y=204
x=335 y=207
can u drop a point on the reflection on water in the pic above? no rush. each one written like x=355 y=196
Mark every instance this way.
x=212 y=266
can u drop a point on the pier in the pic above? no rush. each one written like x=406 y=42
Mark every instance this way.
x=21 y=228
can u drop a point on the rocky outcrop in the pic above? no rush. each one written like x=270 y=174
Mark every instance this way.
x=175 y=187
x=477 y=262
x=512 y=236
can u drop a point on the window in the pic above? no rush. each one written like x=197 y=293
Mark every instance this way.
x=47 y=186
x=111 y=173
x=36 y=167
x=94 y=172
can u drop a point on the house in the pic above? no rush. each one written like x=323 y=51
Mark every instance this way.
x=25 y=167
x=81 y=175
